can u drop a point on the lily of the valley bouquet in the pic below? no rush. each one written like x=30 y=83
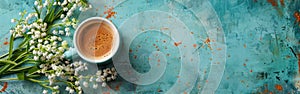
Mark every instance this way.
x=39 y=57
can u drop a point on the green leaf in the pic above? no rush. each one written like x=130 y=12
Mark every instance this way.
x=16 y=53
x=21 y=69
x=33 y=69
x=11 y=44
x=25 y=41
x=37 y=11
x=21 y=76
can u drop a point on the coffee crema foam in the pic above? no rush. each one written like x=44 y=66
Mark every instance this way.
x=96 y=40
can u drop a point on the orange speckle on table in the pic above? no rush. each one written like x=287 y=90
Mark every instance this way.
x=245 y=46
x=4 y=87
x=298 y=55
x=168 y=54
x=6 y=43
x=177 y=43
x=219 y=49
x=184 y=92
x=282 y=2
x=207 y=42
x=273 y=2
x=195 y=45
x=251 y=70
x=134 y=56
x=117 y=87
x=159 y=90
x=130 y=50
x=297 y=16
x=278 y=87
x=110 y=13
x=164 y=28
x=245 y=64
x=158 y=60
x=106 y=93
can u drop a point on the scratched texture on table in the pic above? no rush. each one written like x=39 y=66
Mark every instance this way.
x=237 y=46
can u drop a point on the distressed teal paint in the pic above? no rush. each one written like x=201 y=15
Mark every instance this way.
x=258 y=37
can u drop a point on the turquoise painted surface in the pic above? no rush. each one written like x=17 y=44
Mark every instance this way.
x=224 y=47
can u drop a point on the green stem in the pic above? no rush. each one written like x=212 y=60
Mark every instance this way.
x=20 y=69
x=20 y=56
x=18 y=64
x=4 y=68
x=41 y=83
x=8 y=79
x=4 y=55
x=8 y=62
x=36 y=81
x=32 y=73
x=33 y=76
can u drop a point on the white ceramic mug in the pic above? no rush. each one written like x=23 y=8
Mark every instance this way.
x=80 y=30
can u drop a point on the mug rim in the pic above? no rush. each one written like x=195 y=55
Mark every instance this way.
x=116 y=41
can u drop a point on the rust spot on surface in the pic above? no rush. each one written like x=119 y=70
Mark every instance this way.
x=4 y=87
x=6 y=43
x=251 y=70
x=273 y=2
x=192 y=32
x=134 y=56
x=195 y=45
x=297 y=16
x=245 y=64
x=207 y=42
x=282 y=2
x=168 y=54
x=158 y=60
x=219 y=49
x=288 y=56
x=159 y=90
x=110 y=13
x=245 y=46
x=278 y=87
x=177 y=43
x=164 y=28
x=298 y=55
x=130 y=50
x=117 y=87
